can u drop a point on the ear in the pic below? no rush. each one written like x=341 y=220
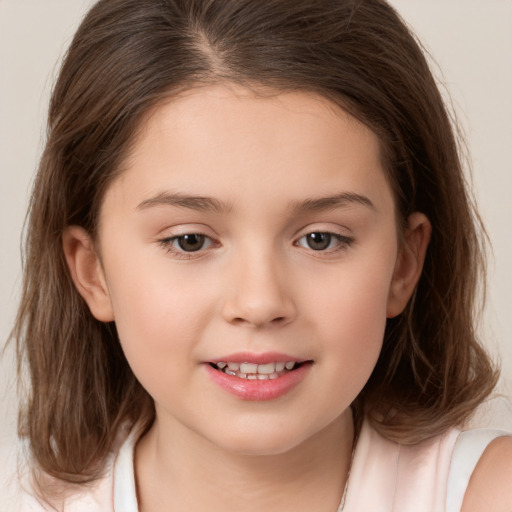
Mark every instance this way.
x=409 y=263
x=87 y=272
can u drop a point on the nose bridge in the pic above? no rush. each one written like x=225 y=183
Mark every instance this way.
x=259 y=294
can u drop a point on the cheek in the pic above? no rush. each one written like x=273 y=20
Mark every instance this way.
x=355 y=321
x=351 y=317
x=356 y=294
x=158 y=315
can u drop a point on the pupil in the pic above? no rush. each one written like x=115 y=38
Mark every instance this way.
x=319 y=241
x=191 y=243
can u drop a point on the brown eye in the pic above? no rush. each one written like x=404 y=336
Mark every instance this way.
x=188 y=246
x=324 y=241
x=191 y=243
x=318 y=241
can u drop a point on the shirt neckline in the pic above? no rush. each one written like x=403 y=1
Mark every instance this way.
x=124 y=493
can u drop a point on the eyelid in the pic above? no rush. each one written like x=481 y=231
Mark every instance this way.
x=167 y=242
x=344 y=241
x=325 y=227
x=181 y=229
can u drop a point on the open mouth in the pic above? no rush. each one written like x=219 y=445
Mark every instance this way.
x=252 y=371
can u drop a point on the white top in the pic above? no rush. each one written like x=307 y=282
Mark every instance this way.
x=431 y=476
x=385 y=476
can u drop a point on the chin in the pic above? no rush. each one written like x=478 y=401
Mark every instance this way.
x=259 y=442
x=275 y=438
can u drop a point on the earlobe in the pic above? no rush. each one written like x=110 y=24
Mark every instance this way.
x=409 y=263
x=87 y=272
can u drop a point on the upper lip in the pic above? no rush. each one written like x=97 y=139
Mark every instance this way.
x=263 y=358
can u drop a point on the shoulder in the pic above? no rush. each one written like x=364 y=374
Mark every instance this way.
x=490 y=486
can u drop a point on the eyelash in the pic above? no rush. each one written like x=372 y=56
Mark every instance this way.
x=343 y=243
x=169 y=245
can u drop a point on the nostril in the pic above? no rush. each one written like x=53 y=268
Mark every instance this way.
x=275 y=321
x=242 y=311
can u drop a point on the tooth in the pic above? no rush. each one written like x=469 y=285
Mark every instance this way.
x=262 y=377
x=279 y=367
x=221 y=365
x=289 y=365
x=229 y=372
x=252 y=376
x=248 y=368
x=266 y=369
x=242 y=375
x=273 y=376
x=234 y=367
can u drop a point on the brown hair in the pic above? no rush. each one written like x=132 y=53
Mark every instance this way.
x=126 y=57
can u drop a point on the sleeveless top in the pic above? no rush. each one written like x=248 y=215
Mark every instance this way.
x=385 y=476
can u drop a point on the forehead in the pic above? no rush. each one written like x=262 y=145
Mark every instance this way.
x=230 y=141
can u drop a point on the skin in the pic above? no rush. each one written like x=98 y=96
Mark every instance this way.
x=490 y=486
x=256 y=286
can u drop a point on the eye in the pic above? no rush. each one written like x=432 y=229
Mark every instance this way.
x=187 y=244
x=322 y=241
x=190 y=243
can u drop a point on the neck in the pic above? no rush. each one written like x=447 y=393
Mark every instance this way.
x=178 y=471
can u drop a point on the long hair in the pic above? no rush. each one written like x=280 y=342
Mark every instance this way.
x=129 y=55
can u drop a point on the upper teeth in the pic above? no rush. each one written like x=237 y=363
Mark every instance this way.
x=252 y=368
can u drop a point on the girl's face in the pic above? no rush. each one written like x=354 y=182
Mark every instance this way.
x=257 y=231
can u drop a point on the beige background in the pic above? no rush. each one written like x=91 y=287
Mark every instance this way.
x=472 y=43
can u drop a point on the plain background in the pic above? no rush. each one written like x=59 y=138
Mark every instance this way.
x=471 y=41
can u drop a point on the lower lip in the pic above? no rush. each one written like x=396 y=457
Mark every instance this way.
x=259 y=390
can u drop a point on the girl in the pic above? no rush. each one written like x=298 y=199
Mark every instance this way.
x=251 y=269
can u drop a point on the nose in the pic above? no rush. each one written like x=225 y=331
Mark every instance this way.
x=258 y=295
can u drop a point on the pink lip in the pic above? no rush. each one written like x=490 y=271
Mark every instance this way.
x=250 y=357
x=258 y=390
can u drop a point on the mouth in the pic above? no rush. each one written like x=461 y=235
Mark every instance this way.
x=253 y=371
x=258 y=377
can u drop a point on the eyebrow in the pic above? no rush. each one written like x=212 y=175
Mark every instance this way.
x=206 y=204
x=210 y=204
x=331 y=202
